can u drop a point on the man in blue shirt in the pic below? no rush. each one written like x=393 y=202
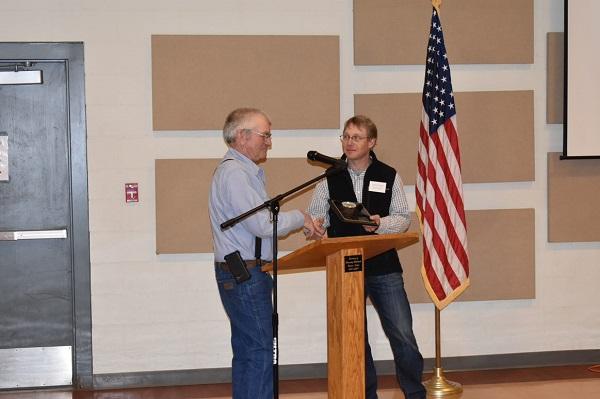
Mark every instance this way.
x=238 y=185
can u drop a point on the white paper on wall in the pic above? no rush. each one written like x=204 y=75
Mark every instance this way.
x=3 y=156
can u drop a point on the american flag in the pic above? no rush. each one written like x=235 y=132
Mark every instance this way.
x=440 y=208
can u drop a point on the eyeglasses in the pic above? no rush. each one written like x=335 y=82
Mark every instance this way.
x=354 y=139
x=264 y=135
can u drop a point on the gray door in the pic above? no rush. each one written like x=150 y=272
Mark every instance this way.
x=37 y=249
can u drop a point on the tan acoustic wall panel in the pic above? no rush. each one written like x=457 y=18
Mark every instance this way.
x=198 y=80
x=501 y=246
x=182 y=187
x=495 y=129
x=555 y=92
x=573 y=192
x=501 y=252
x=283 y=175
x=395 y=32
x=501 y=242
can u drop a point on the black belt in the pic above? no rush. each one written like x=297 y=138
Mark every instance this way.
x=250 y=264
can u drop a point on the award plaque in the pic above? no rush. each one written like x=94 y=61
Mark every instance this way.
x=351 y=212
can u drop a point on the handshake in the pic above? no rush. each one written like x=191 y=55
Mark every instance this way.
x=313 y=228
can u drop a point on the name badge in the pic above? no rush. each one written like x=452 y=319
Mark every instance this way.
x=377 y=186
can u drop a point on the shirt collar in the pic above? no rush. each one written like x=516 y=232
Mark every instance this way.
x=246 y=162
x=372 y=158
x=357 y=173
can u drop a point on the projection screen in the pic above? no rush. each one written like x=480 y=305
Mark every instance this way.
x=581 y=138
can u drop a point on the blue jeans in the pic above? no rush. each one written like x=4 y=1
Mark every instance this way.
x=391 y=303
x=249 y=307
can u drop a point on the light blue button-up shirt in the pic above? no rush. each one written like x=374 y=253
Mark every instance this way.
x=238 y=185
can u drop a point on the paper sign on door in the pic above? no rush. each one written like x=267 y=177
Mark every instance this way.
x=3 y=156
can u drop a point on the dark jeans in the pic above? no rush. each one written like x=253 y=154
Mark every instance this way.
x=249 y=307
x=389 y=299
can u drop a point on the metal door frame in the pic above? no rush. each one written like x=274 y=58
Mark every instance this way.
x=71 y=54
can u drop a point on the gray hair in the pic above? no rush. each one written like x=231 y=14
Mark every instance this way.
x=237 y=119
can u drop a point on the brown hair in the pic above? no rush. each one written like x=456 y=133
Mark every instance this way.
x=363 y=122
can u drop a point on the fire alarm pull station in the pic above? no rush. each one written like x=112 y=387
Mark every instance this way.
x=131 y=192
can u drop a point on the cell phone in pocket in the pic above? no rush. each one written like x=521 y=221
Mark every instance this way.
x=237 y=267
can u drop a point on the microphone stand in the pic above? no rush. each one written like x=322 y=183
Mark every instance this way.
x=273 y=205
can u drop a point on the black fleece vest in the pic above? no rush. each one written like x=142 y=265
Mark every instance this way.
x=341 y=189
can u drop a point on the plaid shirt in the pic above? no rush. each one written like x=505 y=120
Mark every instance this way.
x=398 y=220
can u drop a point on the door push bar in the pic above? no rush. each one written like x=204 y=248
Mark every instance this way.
x=32 y=234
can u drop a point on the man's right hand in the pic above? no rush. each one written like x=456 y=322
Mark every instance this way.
x=313 y=229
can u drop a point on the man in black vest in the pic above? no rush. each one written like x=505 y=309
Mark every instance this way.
x=379 y=188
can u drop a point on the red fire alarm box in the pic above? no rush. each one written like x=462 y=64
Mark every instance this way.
x=131 y=192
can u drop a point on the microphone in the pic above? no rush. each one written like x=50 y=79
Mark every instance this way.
x=318 y=157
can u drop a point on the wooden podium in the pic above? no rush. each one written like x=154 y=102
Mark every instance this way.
x=343 y=259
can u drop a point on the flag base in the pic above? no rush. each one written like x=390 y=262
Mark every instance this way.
x=439 y=387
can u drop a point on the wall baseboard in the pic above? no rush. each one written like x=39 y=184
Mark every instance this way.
x=319 y=370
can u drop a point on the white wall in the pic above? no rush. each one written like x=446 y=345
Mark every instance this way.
x=162 y=312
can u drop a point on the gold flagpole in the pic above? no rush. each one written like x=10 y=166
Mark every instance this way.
x=438 y=386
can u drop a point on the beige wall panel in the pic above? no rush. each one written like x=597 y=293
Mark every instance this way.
x=495 y=128
x=198 y=80
x=500 y=241
x=555 y=91
x=182 y=187
x=501 y=250
x=397 y=117
x=501 y=255
x=283 y=174
x=475 y=31
x=573 y=192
